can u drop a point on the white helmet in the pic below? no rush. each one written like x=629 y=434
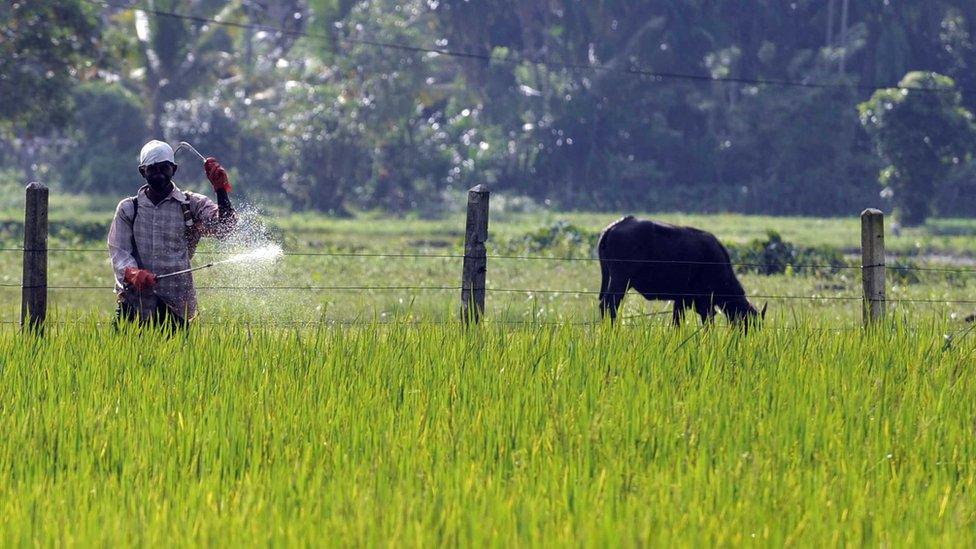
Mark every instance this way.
x=155 y=152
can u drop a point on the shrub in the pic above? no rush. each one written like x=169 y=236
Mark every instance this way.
x=768 y=256
x=562 y=239
x=776 y=256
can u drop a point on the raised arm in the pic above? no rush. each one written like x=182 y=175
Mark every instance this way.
x=221 y=224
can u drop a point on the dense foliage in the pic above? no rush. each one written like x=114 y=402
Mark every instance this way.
x=43 y=47
x=922 y=136
x=547 y=100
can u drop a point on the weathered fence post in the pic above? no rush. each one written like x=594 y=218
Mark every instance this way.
x=33 y=304
x=873 y=265
x=475 y=266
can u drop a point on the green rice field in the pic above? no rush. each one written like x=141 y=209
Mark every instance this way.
x=536 y=436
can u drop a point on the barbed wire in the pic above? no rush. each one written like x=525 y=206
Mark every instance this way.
x=933 y=301
x=527 y=291
x=672 y=262
x=667 y=296
x=286 y=254
x=753 y=265
x=448 y=322
x=739 y=264
x=450 y=288
x=256 y=288
x=953 y=336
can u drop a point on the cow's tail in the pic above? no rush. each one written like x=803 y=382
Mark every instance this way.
x=604 y=264
x=604 y=279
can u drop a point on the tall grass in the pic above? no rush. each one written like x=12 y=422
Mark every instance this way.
x=424 y=435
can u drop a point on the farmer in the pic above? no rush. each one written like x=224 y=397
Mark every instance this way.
x=156 y=232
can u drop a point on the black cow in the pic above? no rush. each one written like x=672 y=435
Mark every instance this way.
x=668 y=263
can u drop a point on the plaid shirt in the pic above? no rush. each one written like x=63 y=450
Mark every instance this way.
x=160 y=238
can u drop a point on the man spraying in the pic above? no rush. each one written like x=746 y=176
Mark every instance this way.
x=157 y=231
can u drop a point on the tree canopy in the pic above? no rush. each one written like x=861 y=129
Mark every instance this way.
x=45 y=47
x=733 y=105
x=922 y=135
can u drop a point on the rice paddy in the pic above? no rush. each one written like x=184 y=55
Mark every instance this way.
x=430 y=435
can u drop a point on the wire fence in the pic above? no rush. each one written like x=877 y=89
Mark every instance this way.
x=528 y=291
x=629 y=320
x=950 y=338
x=459 y=256
x=422 y=323
x=571 y=65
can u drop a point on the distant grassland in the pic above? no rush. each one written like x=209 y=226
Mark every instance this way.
x=86 y=218
x=431 y=435
x=338 y=284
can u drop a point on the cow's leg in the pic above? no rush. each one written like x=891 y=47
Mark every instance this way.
x=705 y=309
x=611 y=298
x=678 y=313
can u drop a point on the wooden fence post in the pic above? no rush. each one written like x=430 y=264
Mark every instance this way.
x=33 y=304
x=873 y=265
x=475 y=266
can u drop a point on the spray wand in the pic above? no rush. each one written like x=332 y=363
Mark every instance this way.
x=266 y=253
x=184 y=271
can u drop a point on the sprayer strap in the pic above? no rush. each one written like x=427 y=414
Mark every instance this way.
x=135 y=212
x=188 y=222
x=191 y=235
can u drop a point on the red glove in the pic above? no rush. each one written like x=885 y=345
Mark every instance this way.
x=216 y=174
x=140 y=279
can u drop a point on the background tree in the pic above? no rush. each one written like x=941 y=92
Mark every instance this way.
x=45 y=47
x=178 y=56
x=108 y=117
x=921 y=134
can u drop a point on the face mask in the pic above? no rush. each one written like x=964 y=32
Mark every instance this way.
x=159 y=182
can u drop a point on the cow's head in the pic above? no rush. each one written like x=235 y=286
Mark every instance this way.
x=743 y=314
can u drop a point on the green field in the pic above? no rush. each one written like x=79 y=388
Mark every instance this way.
x=333 y=282
x=297 y=413
x=421 y=436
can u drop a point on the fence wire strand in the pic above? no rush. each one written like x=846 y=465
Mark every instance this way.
x=951 y=337
x=749 y=265
x=527 y=291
